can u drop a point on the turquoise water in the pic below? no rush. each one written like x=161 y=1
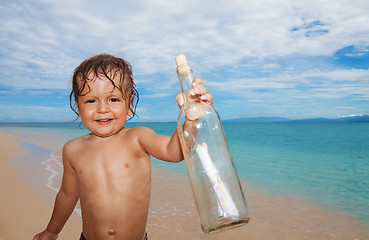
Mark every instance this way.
x=327 y=163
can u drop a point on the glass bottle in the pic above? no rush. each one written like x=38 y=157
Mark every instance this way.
x=215 y=184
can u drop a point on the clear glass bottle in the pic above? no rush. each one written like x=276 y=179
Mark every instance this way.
x=215 y=184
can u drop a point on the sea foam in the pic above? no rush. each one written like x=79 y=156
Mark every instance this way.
x=54 y=165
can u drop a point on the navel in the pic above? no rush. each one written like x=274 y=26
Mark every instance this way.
x=111 y=232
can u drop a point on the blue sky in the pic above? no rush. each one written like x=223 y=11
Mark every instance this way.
x=265 y=58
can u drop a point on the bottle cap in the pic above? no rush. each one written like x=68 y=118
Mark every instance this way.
x=181 y=59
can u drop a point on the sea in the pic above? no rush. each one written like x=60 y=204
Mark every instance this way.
x=326 y=163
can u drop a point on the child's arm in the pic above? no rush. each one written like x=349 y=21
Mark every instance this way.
x=169 y=148
x=65 y=202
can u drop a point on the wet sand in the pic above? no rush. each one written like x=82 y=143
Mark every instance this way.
x=23 y=212
x=172 y=215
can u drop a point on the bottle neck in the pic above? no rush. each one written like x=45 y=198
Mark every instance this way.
x=184 y=73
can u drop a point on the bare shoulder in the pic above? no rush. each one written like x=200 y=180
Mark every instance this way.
x=152 y=143
x=141 y=131
x=74 y=145
x=141 y=135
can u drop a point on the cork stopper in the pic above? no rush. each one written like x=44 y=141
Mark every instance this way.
x=181 y=59
x=183 y=68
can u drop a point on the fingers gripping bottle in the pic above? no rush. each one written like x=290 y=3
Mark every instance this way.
x=215 y=184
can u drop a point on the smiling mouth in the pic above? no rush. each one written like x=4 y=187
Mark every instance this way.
x=104 y=121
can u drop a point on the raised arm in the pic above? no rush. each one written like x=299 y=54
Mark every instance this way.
x=169 y=148
x=159 y=146
x=65 y=201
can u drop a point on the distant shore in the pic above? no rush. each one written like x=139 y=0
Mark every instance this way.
x=352 y=119
x=172 y=211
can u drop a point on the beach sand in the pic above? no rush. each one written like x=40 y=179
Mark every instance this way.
x=24 y=213
x=172 y=215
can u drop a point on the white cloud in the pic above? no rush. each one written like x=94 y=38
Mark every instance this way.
x=351 y=115
x=43 y=41
x=256 y=101
x=157 y=95
x=292 y=80
x=52 y=35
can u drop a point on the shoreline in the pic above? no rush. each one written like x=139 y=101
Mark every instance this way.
x=23 y=212
x=172 y=213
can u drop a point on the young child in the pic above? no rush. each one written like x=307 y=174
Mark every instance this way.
x=109 y=169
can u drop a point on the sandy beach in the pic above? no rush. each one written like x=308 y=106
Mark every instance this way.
x=173 y=216
x=24 y=211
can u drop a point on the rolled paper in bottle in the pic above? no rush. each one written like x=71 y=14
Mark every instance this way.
x=226 y=205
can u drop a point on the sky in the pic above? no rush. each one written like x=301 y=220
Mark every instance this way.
x=265 y=58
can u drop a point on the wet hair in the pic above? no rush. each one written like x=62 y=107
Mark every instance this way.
x=107 y=66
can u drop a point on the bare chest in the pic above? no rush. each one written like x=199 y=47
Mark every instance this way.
x=112 y=167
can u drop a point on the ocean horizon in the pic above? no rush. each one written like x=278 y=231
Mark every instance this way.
x=325 y=163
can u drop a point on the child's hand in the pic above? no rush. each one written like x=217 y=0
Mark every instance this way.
x=198 y=90
x=45 y=235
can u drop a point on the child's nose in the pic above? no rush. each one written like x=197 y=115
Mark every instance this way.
x=103 y=107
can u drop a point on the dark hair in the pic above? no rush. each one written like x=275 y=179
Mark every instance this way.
x=105 y=65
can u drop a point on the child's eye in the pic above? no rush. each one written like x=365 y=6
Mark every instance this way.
x=114 y=100
x=90 y=101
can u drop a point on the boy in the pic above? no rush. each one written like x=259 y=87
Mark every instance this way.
x=109 y=169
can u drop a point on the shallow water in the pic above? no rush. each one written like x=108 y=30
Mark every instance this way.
x=327 y=163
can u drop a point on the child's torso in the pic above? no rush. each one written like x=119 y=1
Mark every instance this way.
x=114 y=179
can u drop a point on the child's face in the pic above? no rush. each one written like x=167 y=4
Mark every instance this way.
x=102 y=107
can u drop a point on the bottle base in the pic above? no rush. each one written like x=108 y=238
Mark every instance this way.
x=226 y=226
